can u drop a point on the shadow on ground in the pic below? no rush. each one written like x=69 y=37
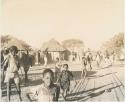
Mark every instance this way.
x=77 y=74
x=85 y=95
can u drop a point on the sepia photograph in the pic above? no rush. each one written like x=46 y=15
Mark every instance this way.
x=62 y=50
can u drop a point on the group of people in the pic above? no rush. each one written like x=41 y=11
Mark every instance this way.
x=48 y=91
x=88 y=58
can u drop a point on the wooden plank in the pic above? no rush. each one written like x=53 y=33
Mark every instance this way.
x=77 y=86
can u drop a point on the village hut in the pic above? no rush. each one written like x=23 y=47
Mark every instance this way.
x=75 y=48
x=53 y=49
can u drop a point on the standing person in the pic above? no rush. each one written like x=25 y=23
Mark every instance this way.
x=84 y=63
x=25 y=63
x=64 y=80
x=47 y=91
x=45 y=60
x=12 y=74
x=58 y=66
x=98 y=59
x=89 y=60
x=107 y=58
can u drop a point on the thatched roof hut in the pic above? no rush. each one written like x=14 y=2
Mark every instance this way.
x=52 y=46
x=53 y=49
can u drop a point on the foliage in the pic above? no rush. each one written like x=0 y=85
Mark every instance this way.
x=7 y=41
x=115 y=44
x=72 y=43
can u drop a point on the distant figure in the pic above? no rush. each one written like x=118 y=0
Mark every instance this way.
x=58 y=66
x=89 y=60
x=84 y=64
x=98 y=59
x=37 y=58
x=107 y=58
x=13 y=65
x=64 y=80
x=45 y=60
x=47 y=91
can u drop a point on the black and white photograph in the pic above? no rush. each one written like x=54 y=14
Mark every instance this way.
x=62 y=50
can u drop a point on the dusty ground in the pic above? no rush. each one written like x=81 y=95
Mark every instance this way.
x=102 y=84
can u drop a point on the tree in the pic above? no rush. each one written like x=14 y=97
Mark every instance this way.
x=72 y=43
x=115 y=44
x=119 y=40
x=7 y=41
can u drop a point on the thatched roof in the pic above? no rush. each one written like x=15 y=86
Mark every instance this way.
x=52 y=46
x=16 y=42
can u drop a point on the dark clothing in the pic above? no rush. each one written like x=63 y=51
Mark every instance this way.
x=57 y=73
x=89 y=59
x=64 y=79
x=84 y=61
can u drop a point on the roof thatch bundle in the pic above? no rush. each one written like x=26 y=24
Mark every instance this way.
x=52 y=46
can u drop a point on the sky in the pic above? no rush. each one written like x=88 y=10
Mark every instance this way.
x=37 y=21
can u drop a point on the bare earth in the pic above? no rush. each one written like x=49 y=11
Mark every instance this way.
x=104 y=84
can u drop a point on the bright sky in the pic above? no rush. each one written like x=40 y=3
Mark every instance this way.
x=36 y=21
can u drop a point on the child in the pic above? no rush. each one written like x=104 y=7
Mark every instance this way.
x=64 y=80
x=12 y=63
x=47 y=92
